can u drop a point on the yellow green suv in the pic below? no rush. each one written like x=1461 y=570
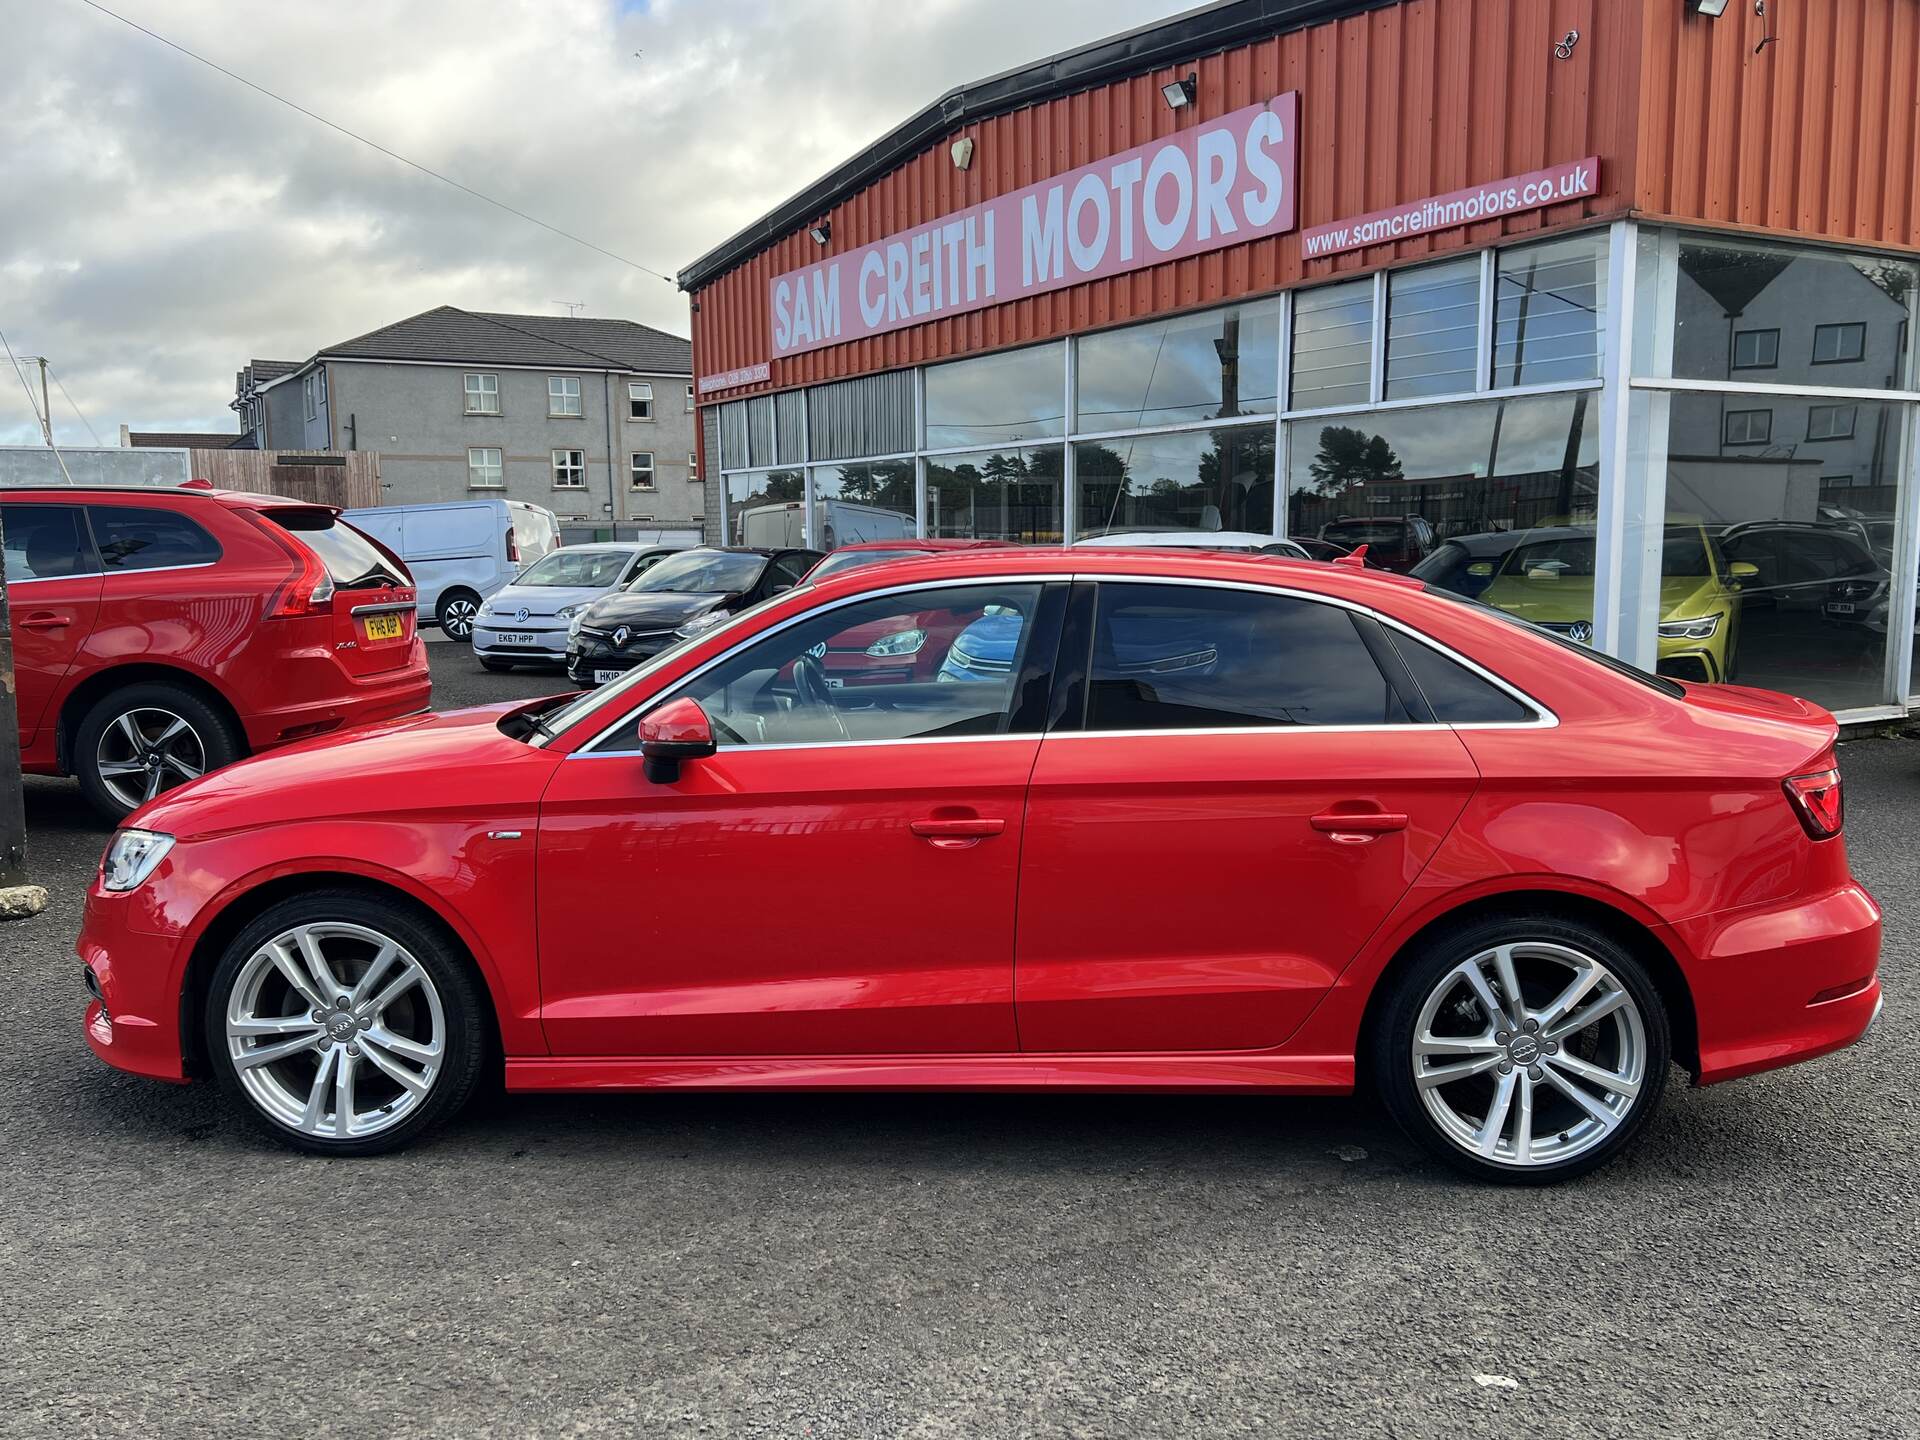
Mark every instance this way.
x=1546 y=576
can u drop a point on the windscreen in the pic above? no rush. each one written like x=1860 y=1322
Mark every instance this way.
x=850 y=559
x=702 y=572
x=576 y=568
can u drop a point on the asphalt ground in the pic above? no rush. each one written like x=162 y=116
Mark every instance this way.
x=851 y=1265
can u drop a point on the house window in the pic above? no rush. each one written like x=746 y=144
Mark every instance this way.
x=1839 y=344
x=640 y=464
x=484 y=471
x=570 y=469
x=483 y=394
x=1749 y=427
x=563 y=395
x=310 y=392
x=689 y=399
x=1756 y=349
x=1830 y=422
x=639 y=400
x=693 y=466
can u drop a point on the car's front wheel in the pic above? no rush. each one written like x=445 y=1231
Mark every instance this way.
x=1523 y=1050
x=344 y=1024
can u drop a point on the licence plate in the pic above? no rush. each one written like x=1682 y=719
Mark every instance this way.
x=1840 y=607
x=507 y=637
x=382 y=627
x=601 y=677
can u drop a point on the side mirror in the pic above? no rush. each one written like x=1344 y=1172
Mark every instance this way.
x=1743 y=570
x=678 y=731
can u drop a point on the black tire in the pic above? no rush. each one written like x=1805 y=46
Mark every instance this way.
x=210 y=741
x=1392 y=1060
x=457 y=611
x=452 y=977
x=496 y=666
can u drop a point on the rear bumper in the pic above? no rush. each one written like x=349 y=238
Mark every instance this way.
x=132 y=1018
x=1777 y=984
x=353 y=702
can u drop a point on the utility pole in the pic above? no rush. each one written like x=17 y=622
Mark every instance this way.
x=46 y=409
x=18 y=899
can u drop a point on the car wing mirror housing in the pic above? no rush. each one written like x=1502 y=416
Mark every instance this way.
x=670 y=736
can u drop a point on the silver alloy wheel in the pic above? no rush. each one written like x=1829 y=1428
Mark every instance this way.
x=335 y=1030
x=1529 y=1053
x=458 y=617
x=147 y=751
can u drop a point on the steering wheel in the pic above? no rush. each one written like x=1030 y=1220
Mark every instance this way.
x=811 y=689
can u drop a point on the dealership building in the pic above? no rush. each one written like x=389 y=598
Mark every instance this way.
x=1599 y=312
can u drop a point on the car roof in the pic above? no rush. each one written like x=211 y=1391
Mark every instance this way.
x=201 y=493
x=1178 y=539
x=927 y=543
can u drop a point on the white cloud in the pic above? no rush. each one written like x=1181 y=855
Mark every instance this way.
x=162 y=224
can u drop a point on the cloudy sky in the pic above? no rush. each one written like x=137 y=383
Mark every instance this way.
x=160 y=224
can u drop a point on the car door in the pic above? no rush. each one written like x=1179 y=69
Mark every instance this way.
x=53 y=591
x=839 y=878
x=1235 y=800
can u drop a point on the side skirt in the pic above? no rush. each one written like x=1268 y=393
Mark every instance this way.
x=1198 y=1072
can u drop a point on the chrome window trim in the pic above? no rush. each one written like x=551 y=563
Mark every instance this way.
x=1544 y=717
x=43 y=579
x=113 y=570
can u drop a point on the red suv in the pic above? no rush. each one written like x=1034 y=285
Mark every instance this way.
x=159 y=634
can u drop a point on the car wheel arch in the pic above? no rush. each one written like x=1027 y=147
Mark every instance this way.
x=93 y=687
x=1612 y=919
x=233 y=911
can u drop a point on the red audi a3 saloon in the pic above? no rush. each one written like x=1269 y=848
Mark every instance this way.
x=1200 y=822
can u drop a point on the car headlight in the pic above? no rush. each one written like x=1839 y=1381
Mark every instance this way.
x=1700 y=629
x=901 y=642
x=700 y=624
x=573 y=625
x=567 y=612
x=131 y=857
x=486 y=609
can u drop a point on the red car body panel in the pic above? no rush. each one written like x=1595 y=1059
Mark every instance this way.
x=1179 y=911
x=284 y=678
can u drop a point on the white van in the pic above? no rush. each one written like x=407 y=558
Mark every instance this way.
x=462 y=551
x=782 y=524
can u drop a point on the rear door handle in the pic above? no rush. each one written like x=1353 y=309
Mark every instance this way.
x=957 y=834
x=1355 y=826
x=45 y=620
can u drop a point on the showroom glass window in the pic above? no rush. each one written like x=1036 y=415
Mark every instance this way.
x=766 y=508
x=943 y=662
x=1549 y=311
x=1214 y=479
x=1433 y=329
x=1189 y=657
x=998 y=495
x=862 y=500
x=1333 y=345
x=1214 y=365
x=1000 y=399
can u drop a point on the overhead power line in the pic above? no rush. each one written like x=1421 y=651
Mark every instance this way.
x=75 y=407
x=7 y=345
x=375 y=144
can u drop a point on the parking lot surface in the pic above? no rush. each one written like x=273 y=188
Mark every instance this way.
x=848 y=1265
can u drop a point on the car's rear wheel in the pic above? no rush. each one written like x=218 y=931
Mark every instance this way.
x=458 y=610
x=1523 y=1050
x=141 y=741
x=344 y=1024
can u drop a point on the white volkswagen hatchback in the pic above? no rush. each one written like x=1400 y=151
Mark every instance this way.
x=526 y=622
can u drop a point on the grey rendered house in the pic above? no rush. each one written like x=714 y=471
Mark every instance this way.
x=592 y=418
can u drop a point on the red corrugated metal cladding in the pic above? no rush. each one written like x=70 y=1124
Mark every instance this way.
x=1397 y=104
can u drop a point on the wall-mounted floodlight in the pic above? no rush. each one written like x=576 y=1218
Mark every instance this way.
x=1713 y=8
x=1181 y=93
x=822 y=232
x=962 y=151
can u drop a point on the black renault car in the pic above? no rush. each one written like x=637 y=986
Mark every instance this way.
x=676 y=599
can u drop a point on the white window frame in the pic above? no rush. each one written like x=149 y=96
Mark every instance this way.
x=690 y=399
x=693 y=466
x=558 y=395
x=574 y=464
x=634 y=468
x=1838 y=327
x=307 y=393
x=499 y=467
x=480 y=392
x=1746 y=417
x=640 y=397
x=1850 y=409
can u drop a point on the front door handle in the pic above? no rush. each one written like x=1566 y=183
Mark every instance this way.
x=45 y=620
x=957 y=834
x=1357 y=827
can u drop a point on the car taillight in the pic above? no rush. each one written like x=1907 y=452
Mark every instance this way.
x=1817 y=801
x=513 y=547
x=308 y=589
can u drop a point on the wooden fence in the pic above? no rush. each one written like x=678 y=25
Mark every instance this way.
x=349 y=479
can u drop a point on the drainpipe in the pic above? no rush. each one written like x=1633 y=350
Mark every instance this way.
x=613 y=500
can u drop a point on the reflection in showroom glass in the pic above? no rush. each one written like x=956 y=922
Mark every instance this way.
x=997 y=495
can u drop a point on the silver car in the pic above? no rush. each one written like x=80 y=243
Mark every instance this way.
x=526 y=622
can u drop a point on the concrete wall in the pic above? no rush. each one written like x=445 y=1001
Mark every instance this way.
x=415 y=415
x=36 y=465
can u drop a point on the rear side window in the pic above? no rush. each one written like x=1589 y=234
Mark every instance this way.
x=1456 y=695
x=354 y=561
x=1173 y=657
x=46 y=542
x=138 y=537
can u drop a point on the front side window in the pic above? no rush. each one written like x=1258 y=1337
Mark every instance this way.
x=46 y=542
x=563 y=395
x=920 y=665
x=1185 y=657
x=569 y=469
x=484 y=471
x=483 y=394
x=640 y=469
x=136 y=537
x=639 y=400
x=1839 y=344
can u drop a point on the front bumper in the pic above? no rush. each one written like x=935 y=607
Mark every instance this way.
x=515 y=642
x=1776 y=984
x=586 y=655
x=132 y=1019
